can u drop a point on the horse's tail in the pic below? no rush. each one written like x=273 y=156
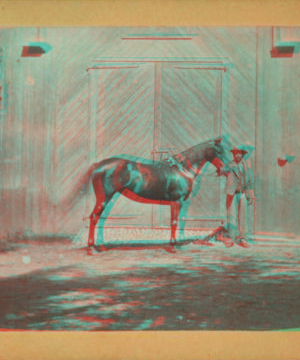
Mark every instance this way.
x=69 y=201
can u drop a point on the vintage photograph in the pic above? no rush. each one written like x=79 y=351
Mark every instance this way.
x=149 y=178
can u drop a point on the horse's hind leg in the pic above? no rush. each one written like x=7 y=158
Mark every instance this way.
x=102 y=199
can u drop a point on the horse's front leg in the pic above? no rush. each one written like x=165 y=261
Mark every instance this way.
x=182 y=216
x=175 y=208
x=93 y=222
x=94 y=218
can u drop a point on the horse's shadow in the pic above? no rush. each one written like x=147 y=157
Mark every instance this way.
x=170 y=248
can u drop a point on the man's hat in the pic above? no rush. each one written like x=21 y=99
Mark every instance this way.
x=239 y=149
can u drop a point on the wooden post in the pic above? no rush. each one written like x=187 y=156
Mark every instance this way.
x=158 y=68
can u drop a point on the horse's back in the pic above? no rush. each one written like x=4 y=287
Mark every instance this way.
x=122 y=162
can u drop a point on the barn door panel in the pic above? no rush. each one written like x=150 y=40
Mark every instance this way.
x=192 y=113
x=123 y=115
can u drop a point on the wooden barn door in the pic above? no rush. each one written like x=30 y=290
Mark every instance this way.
x=194 y=108
x=154 y=109
x=122 y=113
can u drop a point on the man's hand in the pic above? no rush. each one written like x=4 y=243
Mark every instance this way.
x=251 y=201
x=250 y=197
x=222 y=171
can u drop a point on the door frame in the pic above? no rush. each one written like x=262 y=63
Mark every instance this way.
x=206 y=63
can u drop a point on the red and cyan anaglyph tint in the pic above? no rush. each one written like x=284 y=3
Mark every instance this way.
x=149 y=178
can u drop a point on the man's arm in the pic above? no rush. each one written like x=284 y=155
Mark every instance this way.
x=250 y=183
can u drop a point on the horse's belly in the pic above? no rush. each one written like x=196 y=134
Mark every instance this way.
x=148 y=191
x=162 y=192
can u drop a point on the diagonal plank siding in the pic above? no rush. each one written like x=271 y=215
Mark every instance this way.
x=189 y=106
x=45 y=142
x=124 y=122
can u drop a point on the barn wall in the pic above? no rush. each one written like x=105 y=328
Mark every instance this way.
x=47 y=130
x=278 y=128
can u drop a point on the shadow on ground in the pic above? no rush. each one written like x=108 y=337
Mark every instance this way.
x=193 y=288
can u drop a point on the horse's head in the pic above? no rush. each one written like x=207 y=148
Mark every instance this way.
x=218 y=155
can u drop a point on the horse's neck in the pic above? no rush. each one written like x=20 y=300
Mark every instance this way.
x=198 y=164
x=193 y=159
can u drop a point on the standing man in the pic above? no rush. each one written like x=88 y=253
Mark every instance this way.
x=240 y=195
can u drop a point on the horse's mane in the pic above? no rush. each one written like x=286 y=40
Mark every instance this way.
x=198 y=147
x=183 y=153
x=137 y=159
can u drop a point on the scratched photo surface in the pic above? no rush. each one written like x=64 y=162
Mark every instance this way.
x=149 y=178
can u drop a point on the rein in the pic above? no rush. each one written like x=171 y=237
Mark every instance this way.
x=185 y=166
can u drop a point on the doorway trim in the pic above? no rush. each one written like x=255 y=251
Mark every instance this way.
x=222 y=64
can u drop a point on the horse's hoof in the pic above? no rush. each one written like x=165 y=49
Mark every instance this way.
x=91 y=243
x=101 y=248
x=91 y=250
x=206 y=243
x=170 y=248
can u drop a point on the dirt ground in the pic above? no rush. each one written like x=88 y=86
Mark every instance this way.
x=59 y=284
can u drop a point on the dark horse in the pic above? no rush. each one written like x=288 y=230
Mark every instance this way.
x=166 y=182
